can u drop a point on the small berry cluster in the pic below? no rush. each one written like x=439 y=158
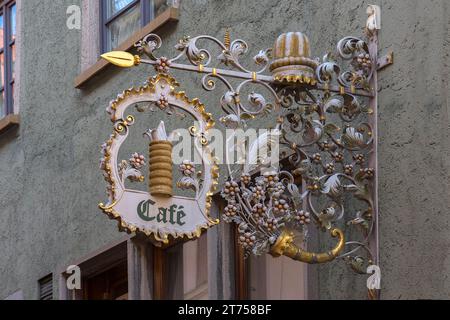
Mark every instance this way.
x=245 y=179
x=359 y=158
x=338 y=157
x=327 y=146
x=303 y=217
x=257 y=192
x=137 y=160
x=317 y=158
x=231 y=188
x=162 y=65
x=329 y=168
x=280 y=206
x=163 y=102
x=231 y=210
x=270 y=224
x=348 y=169
x=187 y=168
x=271 y=178
x=247 y=240
x=363 y=60
x=259 y=210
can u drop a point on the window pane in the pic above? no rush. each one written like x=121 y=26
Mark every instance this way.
x=2 y=104
x=13 y=22
x=114 y=6
x=12 y=96
x=195 y=269
x=13 y=61
x=123 y=27
x=2 y=31
x=2 y=68
x=111 y=284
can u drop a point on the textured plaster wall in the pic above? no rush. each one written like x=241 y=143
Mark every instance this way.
x=50 y=184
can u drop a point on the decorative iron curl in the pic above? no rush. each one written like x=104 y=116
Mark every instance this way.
x=197 y=56
x=309 y=119
x=361 y=68
x=148 y=45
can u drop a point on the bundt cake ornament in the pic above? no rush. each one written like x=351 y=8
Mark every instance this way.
x=292 y=62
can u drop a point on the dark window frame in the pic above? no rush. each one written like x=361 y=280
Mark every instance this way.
x=147 y=15
x=8 y=43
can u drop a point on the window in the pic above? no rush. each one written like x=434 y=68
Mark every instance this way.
x=104 y=275
x=195 y=269
x=111 y=284
x=46 y=288
x=7 y=56
x=110 y=25
x=122 y=18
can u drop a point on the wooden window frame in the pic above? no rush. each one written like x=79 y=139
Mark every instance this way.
x=149 y=268
x=8 y=43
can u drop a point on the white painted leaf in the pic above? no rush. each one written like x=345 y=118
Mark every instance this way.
x=261 y=58
x=333 y=186
x=230 y=121
x=352 y=138
x=256 y=100
x=227 y=98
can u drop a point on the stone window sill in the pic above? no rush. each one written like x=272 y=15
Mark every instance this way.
x=9 y=121
x=169 y=16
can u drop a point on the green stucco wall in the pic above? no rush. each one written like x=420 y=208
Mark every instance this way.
x=50 y=184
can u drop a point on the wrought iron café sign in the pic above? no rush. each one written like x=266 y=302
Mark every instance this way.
x=326 y=110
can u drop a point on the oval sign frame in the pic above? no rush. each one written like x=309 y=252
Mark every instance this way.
x=122 y=202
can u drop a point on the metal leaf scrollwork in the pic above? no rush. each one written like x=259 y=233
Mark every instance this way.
x=360 y=69
x=328 y=69
x=149 y=45
x=347 y=106
x=325 y=131
x=330 y=155
x=329 y=139
x=230 y=56
x=348 y=46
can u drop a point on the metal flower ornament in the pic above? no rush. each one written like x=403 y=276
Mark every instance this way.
x=326 y=110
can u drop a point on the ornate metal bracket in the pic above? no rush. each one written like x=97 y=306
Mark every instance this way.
x=327 y=125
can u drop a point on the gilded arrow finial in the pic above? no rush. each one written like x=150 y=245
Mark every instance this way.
x=121 y=59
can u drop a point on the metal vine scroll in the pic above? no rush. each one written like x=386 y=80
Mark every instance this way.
x=327 y=111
